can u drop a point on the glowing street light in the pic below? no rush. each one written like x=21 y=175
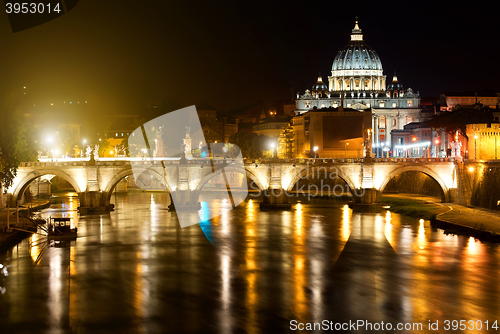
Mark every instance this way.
x=475 y=146
x=272 y=145
x=83 y=146
x=315 y=150
x=345 y=149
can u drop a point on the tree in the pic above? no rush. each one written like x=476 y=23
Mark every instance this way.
x=17 y=142
x=252 y=145
x=459 y=118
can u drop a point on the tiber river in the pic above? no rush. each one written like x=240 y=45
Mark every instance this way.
x=246 y=271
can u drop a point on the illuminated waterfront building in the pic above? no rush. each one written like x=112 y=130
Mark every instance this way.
x=357 y=82
x=484 y=141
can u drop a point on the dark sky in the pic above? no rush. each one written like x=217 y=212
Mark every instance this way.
x=118 y=54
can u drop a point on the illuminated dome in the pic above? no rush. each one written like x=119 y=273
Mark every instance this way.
x=320 y=85
x=357 y=67
x=395 y=85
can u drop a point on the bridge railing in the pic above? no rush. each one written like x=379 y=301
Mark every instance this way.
x=174 y=161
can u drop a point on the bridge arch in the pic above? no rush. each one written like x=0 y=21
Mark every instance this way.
x=306 y=171
x=229 y=169
x=426 y=170
x=21 y=186
x=127 y=172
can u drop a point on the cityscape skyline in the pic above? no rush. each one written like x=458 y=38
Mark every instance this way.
x=229 y=57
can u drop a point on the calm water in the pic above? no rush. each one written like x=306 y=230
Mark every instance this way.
x=246 y=271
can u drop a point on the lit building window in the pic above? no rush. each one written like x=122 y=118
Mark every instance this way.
x=381 y=122
x=368 y=105
x=394 y=104
x=382 y=104
x=410 y=103
x=348 y=105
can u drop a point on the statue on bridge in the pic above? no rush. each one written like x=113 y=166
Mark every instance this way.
x=456 y=146
x=367 y=143
x=88 y=151
x=96 y=152
x=186 y=146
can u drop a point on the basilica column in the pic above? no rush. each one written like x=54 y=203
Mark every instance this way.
x=388 y=126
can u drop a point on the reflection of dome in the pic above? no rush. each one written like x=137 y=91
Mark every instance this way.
x=320 y=86
x=395 y=85
x=357 y=55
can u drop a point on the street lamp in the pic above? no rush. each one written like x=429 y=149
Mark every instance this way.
x=475 y=146
x=272 y=145
x=224 y=149
x=345 y=150
x=315 y=150
x=436 y=146
x=83 y=146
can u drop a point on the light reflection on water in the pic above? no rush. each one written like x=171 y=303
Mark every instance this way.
x=245 y=270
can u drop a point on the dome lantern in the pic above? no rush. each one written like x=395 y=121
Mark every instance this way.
x=356 y=32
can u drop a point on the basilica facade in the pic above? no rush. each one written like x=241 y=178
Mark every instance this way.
x=357 y=82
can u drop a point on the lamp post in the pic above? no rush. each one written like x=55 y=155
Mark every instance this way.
x=475 y=146
x=315 y=150
x=272 y=145
x=83 y=146
x=345 y=150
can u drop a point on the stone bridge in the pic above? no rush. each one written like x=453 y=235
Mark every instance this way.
x=94 y=181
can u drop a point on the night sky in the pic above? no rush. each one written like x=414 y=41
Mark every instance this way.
x=119 y=54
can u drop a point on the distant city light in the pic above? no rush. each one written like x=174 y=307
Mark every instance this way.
x=417 y=145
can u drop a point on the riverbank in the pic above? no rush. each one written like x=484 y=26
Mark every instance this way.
x=424 y=207
x=12 y=237
x=480 y=223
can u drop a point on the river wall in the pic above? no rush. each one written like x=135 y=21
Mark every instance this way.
x=485 y=189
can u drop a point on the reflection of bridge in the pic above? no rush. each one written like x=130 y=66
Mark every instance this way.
x=94 y=181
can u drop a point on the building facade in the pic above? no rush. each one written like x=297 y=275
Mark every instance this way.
x=331 y=133
x=484 y=141
x=357 y=82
